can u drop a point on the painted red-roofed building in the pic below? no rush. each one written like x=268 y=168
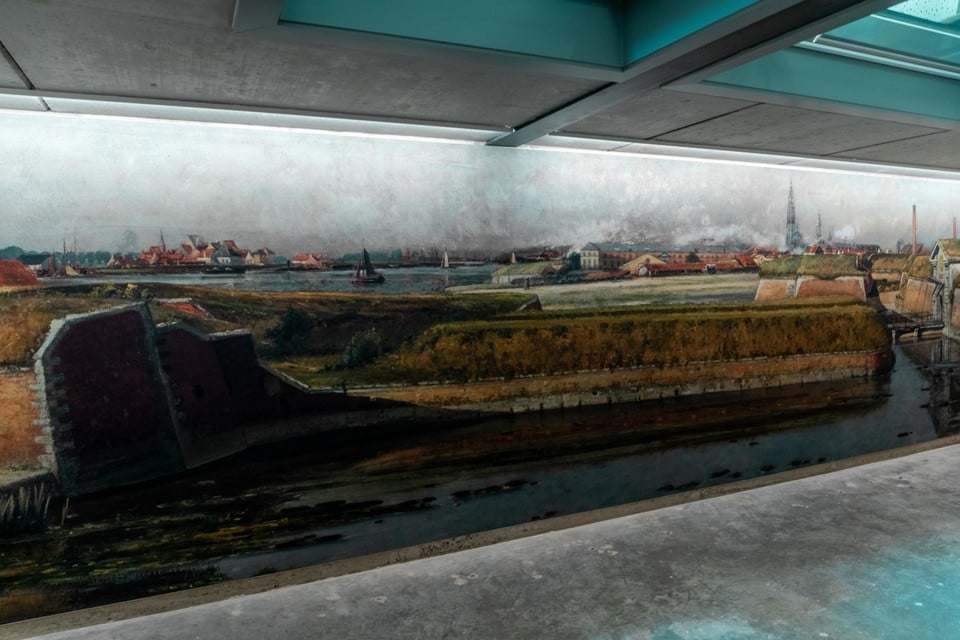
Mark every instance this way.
x=157 y=256
x=265 y=256
x=196 y=251
x=310 y=261
x=672 y=269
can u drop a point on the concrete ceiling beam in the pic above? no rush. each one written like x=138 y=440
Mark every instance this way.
x=761 y=28
x=249 y=15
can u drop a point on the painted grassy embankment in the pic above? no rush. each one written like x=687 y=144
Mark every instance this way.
x=326 y=321
x=426 y=340
x=597 y=340
x=470 y=351
x=578 y=353
x=819 y=266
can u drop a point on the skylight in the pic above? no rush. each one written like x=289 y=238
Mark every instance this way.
x=919 y=35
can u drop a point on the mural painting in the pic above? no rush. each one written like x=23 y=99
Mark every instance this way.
x=193 y=405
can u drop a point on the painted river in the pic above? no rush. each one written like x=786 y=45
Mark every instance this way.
x=402 y=280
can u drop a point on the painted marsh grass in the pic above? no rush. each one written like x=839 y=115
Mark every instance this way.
x=24 y=510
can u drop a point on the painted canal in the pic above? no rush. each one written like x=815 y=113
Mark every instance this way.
x=323 y=499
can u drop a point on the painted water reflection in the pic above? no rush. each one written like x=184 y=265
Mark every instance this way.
x=723 y=439
x=323 y=499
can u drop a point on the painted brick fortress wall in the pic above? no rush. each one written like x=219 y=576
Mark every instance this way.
x=203 y=406
x=121 y=401
x=219 y=391
x=109 y=414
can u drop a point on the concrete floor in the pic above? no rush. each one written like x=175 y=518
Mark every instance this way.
x=868 y=552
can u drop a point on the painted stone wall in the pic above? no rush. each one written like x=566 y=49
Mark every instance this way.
x=810 y=287
x=638 y=384
x=917 y=296
x=223 y=399
x=22 y=444
x=109 y=414
x=203 y=405
x=775 y=290
x=952 y=328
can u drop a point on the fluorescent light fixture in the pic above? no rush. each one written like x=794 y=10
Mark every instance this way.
x=681 y=153
x=21 y=103
x=194 y=115
x=239 y=117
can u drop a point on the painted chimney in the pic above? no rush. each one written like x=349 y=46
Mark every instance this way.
x=913 y=249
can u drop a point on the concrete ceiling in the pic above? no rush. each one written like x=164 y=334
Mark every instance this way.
x=235 y=60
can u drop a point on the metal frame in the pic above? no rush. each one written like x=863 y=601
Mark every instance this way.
x=825 y=93
x=256 y=14
x=744 y=36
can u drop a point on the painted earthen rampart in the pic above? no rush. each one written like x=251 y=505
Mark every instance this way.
x=636 y=384
x=117 y=401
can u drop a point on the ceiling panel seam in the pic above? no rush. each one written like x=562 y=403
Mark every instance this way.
x=815 y=104
x=18 y=70
x=781 y=158
x=876 y=145
x=704 y=121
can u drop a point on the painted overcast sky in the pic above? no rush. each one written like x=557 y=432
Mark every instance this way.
x=294 y=190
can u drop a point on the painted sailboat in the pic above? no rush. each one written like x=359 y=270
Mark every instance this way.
x=445 y=264
x=365 y=273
